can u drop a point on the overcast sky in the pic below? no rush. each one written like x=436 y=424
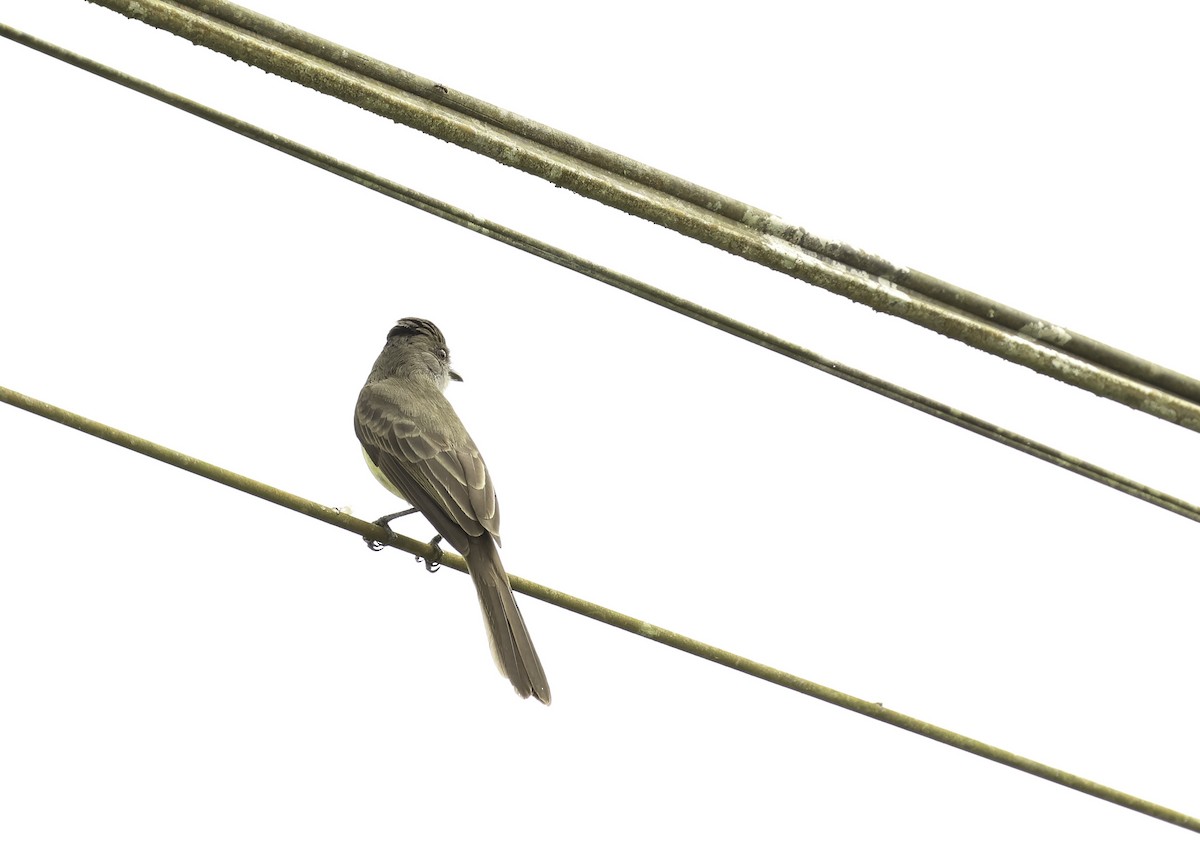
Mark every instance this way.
x=184 y=666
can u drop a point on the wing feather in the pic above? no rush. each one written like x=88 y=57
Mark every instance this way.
x=447 y=481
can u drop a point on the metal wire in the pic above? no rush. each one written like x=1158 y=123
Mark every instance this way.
x=600 y=613
x=723 y=205
x=575 y=604
x=623 y=282
x=725 y=223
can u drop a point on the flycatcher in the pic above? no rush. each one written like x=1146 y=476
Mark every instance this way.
x=418 y=448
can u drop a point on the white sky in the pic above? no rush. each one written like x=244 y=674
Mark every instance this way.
x=187 y=667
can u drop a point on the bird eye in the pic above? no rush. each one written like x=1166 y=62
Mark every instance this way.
x=442 y=354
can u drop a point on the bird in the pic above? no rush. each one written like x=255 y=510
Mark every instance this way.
x=417 y=447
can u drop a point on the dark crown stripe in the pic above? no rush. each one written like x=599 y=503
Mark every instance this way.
x=413 y=326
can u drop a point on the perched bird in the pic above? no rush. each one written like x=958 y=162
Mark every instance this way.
x=418 y=448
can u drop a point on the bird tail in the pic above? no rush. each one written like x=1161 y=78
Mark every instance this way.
x=511 y=646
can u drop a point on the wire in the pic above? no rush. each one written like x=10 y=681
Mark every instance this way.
x=723 y=205
x=567 y=260
x=599 y=613
x=756 y=236
x=575 y=604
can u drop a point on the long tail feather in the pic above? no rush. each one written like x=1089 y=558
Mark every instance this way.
x=511 y=646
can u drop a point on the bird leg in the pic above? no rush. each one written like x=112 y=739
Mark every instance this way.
x=384 y=521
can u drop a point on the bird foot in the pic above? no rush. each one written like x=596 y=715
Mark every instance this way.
x=433 y=564
x=383 y=521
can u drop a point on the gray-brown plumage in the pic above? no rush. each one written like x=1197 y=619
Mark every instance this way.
x=418 y=448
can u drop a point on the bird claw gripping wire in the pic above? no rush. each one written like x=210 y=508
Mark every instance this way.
x=374 y=546
x=433 y=564
x=383 y=521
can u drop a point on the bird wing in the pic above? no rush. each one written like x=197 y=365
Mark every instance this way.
x=446 y=479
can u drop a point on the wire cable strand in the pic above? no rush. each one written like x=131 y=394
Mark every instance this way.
x=742 y=230
x=600 y=613
x=642 y=290
x=730 y=208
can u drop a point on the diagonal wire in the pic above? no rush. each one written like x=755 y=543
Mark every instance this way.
x=723 y=205
x=753 y=234
x=623 y=282
x=630 y=285
x=623 y=621
x=600 y=613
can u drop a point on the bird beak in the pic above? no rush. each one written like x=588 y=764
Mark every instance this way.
x=454 y=376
